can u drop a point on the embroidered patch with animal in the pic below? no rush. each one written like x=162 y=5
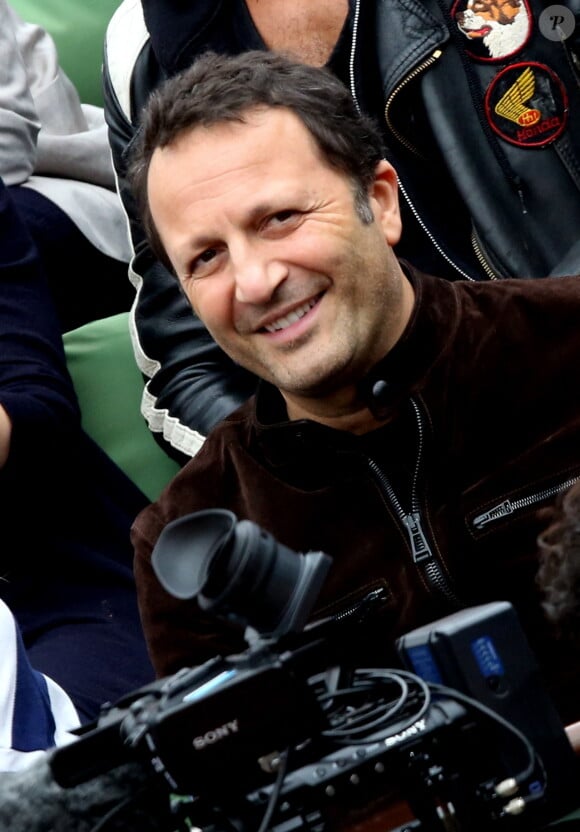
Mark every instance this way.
x=527 y=105
x=494 y=29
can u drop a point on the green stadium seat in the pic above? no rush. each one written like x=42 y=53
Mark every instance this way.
x=78 y=28
x=109 y=388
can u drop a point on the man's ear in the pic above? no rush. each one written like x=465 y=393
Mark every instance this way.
x=384 y=196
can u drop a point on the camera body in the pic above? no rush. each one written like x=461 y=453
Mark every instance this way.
x=202 y=736
x=291 y=734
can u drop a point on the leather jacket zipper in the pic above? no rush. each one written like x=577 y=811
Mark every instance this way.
x=491 y=274
x=440 y=251
x=355 y=20
x=424 y=65
x=423 y=556
x=420 y=68
x=507 y=507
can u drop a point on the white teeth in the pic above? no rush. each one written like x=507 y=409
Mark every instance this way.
x=291 y=318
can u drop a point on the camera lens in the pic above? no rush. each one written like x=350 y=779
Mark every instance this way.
x=239 y=571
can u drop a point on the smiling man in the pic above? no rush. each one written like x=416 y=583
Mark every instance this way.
x=270 y=250
x=414 y=429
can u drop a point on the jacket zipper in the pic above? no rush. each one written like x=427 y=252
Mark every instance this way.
x=371 y=597
x=440 y=251
x=428 y=62
x=507 y=507
x=434 y=242
x=355 y=21
x=412 y=521
x=481 y=258
x=402 y=189
x=486 y=268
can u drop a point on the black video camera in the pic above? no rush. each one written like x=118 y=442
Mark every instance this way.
x=292 y=735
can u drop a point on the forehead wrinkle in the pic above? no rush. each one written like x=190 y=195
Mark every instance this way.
x=165 y=158
x=221 y=155
x=249 y=196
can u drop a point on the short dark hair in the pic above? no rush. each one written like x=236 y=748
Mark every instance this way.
x=220 y=88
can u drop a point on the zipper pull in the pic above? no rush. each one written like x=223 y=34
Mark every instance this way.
x=417 y=537
x=495 y=513
x=362 y=605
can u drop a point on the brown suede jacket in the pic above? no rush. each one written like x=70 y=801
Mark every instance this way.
x=441 y=506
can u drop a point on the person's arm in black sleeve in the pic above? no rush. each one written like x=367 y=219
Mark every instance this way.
x=37 y=399
x=190 y=384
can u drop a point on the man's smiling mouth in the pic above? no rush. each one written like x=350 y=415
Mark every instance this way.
x=291 y=317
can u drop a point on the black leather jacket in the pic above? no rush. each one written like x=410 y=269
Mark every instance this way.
x=487 y=150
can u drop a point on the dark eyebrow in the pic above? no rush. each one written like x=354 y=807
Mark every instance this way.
x=197 y=245
x=263 y=210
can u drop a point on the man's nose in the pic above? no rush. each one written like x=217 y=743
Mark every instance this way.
x=257 y=276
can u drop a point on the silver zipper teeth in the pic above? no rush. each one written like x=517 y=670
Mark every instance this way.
x=374 y=593
x=406 y=196
x=355 y=21
x=407 y=80
x=421 y=552
x=481 y=258
x=417 y=71
x=432 y=239
x=507 y=507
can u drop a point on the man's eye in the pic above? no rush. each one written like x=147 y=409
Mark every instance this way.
x=203 y=260
x=207 y=256
x=283 y=216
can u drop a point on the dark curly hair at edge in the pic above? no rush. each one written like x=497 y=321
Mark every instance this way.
x=559 y=572
x=220 y=88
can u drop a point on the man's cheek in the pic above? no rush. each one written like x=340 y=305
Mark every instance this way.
x=212 y=307
x=196 y=297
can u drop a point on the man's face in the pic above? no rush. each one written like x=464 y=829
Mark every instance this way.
x=265 y=239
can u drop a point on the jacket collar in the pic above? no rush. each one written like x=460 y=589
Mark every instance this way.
x=402 y=373
x=407 y=32
x=404 y=370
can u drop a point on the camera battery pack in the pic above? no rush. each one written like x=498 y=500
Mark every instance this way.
x=482 y=652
